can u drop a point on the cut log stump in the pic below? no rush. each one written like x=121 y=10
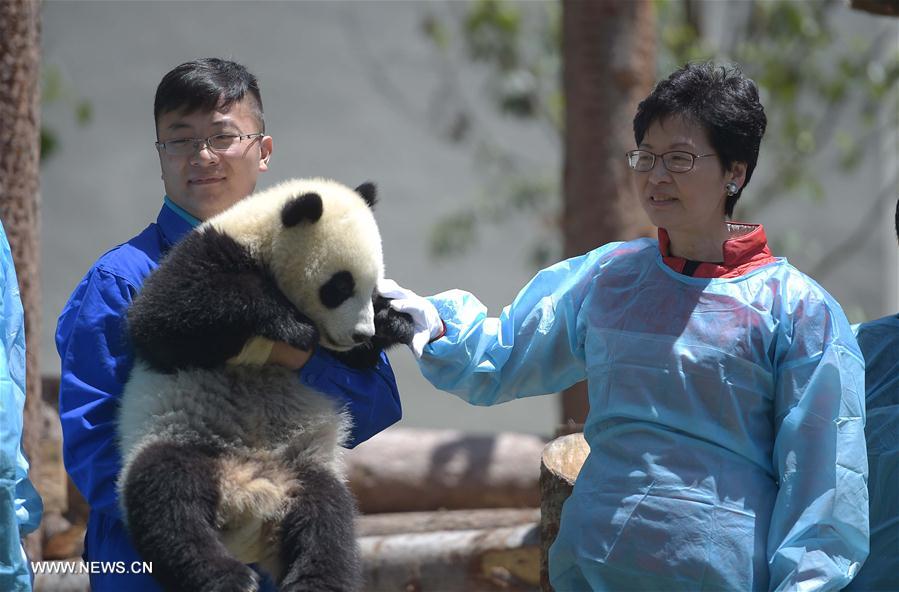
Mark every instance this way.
x=559 y=467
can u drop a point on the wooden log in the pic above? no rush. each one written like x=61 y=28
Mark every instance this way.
x=65 y=543
x=50 y=471
x=414 y=522
x=405 y=469
x=559 y=467
x=485 y=560
x=73 y=581
x=470 y=550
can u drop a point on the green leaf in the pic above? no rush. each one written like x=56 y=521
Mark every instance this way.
x=435 y=31
x=49 y=144
x=805 y=141
x=491 y=31
x=52 y=90
x=84 y=112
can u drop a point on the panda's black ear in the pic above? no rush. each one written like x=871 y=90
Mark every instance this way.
x=369 y=193
x=303 y=208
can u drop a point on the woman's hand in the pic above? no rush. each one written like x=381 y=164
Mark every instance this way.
x=426 y=320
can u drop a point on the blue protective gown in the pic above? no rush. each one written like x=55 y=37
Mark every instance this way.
x=879 y=342
x=726 y=422
x=96 y=360
x=20 y=505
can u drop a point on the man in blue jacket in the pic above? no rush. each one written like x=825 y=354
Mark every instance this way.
x=20 y=505
x=212 y=146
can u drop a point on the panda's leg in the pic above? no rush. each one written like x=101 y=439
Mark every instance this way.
x=318 y=539
x=171 y=493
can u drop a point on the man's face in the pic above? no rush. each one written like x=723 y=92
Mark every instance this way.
x=205 y=182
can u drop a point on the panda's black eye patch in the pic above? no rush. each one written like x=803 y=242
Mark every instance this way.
x=338 y=289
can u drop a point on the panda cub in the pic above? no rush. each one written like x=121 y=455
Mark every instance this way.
x=228 y=464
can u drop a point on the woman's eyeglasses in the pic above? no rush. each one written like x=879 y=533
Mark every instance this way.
x=676 y=161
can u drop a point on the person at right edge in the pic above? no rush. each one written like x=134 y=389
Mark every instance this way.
x=879 y=342
x=726 y=388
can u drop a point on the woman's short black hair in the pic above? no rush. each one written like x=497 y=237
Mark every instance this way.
x=720 y=99
x=207 y=84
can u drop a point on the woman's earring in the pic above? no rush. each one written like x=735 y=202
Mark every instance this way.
x=731 y=189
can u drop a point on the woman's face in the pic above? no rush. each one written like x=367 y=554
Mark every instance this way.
x=691 y=202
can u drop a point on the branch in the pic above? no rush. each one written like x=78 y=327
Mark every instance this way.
x=884 y=7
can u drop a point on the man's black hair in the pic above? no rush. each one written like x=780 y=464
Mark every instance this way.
x=721 y=100
x=208 y=84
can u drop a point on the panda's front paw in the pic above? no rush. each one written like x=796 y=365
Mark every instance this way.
x=391 y=326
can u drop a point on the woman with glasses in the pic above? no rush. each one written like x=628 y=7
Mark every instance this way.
x=726 y=390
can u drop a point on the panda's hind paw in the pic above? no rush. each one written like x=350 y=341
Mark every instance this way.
x=234 y=577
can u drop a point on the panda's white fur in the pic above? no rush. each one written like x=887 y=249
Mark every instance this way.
x=268 y=431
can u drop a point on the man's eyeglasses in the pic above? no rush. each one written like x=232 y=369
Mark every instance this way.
x=219 y=143
x=676 y=161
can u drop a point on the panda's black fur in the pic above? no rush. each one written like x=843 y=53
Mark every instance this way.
x=228 y=464
x=231 y=297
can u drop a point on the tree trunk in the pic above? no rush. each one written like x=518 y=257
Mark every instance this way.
x=608 y=54
x=19 y=200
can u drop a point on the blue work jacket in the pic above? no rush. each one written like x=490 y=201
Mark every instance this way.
x=96 y=361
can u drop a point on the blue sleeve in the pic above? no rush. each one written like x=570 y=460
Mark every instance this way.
x=818 y=537
x=370 y=396
x=536 y=346
x=96 y=360
x=20 y=505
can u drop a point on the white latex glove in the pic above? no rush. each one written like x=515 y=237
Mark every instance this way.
x=425 y=318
